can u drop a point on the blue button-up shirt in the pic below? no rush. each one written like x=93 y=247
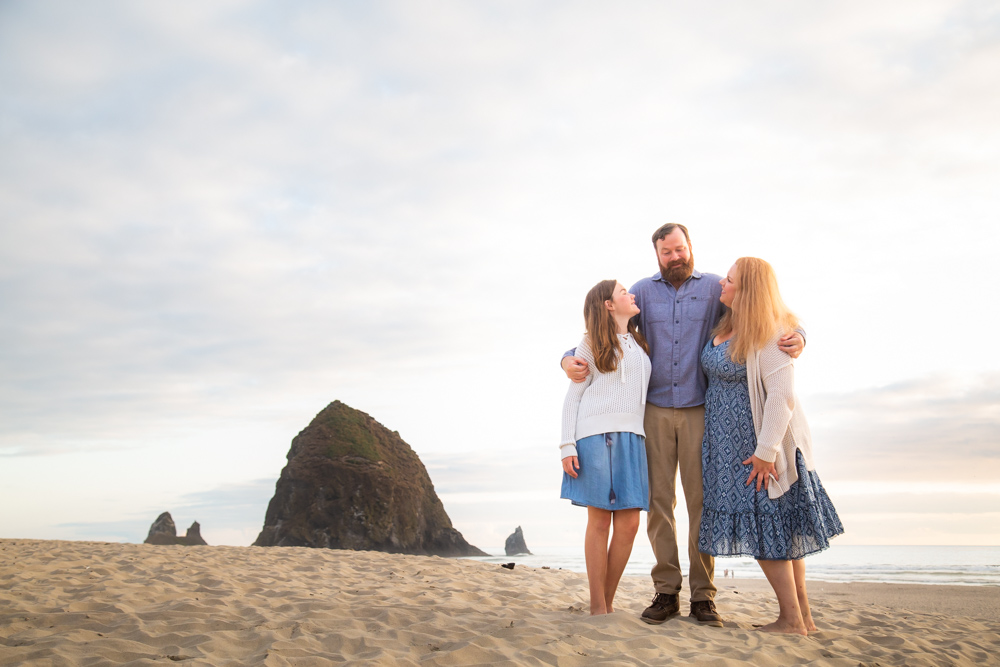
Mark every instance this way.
x=677 y=324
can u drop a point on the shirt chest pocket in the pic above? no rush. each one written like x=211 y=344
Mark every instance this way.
x=697 y=308
x=658 y=312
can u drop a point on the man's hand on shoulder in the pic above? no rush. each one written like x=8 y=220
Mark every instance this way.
x=792 y=344
x=576 y=368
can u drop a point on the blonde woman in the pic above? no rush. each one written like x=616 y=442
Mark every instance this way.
x=603 y=442
x=762 y=496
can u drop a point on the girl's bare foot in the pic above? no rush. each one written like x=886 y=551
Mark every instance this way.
x=807 y=621
x=782 y=627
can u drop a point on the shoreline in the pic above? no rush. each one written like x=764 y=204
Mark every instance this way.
x=979 y=602
x=930 y=565
x=115 y=603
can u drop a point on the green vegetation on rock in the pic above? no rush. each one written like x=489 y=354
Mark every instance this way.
x=351 y=435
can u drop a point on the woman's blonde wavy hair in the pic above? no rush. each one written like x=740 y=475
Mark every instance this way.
x=602 y=329
x=758 y=312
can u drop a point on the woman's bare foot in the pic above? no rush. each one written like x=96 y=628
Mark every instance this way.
x=799 y=574
x=782 y=627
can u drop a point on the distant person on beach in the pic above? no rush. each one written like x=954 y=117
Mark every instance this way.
x=679 y=308
x=603 y=450
x=763 y=497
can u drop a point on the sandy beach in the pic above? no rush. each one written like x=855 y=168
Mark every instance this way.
x=89 y=603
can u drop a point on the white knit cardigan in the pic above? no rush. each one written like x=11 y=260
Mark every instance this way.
x=606 y=402
x=778 y=419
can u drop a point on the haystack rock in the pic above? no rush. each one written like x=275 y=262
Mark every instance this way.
x=351 y=483
x=163 y=531
x=515 y=543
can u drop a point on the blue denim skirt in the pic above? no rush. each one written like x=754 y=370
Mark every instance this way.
x=612 y=474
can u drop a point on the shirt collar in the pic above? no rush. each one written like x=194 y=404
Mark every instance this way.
x=695 y=273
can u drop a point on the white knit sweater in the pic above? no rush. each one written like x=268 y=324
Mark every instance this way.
x=606 y=402
x=778 y=420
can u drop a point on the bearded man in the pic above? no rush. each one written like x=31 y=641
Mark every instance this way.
x=679 y=308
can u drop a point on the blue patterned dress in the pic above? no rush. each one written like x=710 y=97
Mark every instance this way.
x=739 y=520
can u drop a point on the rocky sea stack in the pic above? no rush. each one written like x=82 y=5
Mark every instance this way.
x=163 y=531
x=515 y=545
x=351 y=483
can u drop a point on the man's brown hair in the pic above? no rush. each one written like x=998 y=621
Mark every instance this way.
x=668 y=229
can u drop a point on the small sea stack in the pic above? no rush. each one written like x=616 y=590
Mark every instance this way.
x=515 y=545
x=163 y=531
x=351 y=483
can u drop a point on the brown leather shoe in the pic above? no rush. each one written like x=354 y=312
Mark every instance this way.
x=663 y=606
x=704 y=611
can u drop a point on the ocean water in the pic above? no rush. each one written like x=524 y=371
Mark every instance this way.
x=964 y=566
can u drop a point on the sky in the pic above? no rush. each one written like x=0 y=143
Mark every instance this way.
x=216 y=218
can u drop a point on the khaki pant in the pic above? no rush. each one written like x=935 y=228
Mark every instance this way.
x=673 y=439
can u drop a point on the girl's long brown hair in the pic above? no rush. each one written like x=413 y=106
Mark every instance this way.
x=758 y=312
x=602 y=329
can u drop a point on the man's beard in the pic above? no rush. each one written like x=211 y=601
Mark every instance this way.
x=678 y=272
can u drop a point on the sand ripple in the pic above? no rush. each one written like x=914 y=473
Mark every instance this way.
x=83 y=603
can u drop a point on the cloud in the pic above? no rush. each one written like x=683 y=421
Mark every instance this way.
x=232 y=503
x=217 y=219
x=126 y=530
x=513 y=469
x=228 y=514
x=923 y=499
x=231 y=513
x=934 y=429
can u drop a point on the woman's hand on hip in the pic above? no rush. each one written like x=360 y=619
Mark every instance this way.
x=762 y=471
x=570 y=465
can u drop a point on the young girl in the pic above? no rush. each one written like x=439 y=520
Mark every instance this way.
x=603 y=443
x=763 y=497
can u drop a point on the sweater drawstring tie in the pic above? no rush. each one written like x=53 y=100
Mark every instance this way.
x=625 y=340
x=611 y=472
